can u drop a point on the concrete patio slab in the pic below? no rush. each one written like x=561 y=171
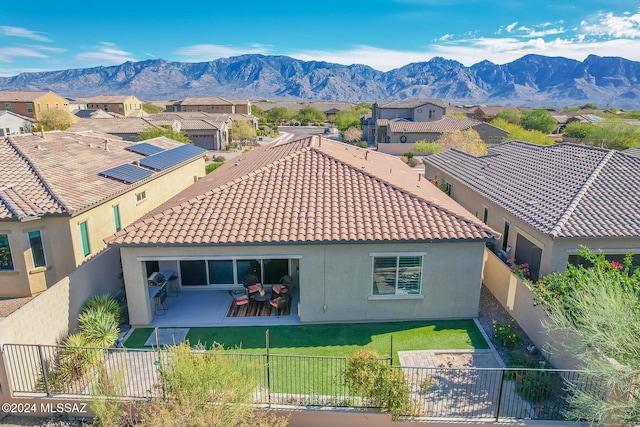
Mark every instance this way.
x=168 y=336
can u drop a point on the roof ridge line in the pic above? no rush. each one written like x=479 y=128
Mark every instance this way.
x=398 y=188
x=38 y=174
x=578 y=197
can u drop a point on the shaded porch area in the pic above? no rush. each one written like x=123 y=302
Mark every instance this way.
x=211 y=308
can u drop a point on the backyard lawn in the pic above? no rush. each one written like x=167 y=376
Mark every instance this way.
x=341 y=339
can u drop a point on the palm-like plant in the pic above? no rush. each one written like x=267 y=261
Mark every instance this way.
x=99 y=326
x=107 y=302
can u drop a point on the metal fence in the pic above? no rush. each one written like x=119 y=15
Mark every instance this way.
x=298 y=380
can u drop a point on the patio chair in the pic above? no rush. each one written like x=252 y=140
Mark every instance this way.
x=239 y=297
x=279 y=304
x=281 y=288
x=251 y=285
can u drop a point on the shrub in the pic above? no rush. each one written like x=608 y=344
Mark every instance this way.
x=99 y=327
x=361 y=144
x=505 y=333
x=383 y=387
x=408 y=155
x=426 y=148
x=212 y=166
x=106 y=301
x=535 y=386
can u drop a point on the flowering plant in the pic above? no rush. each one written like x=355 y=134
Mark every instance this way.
x=520 y=270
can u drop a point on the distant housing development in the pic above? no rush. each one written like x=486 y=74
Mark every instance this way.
x=32 y=104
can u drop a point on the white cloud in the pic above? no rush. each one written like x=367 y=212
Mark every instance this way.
x=8 y=54
x=609 y=25
x=445 y=37
x=23 y=32
x=510 y=27
x=207 y=52
x=106 y=53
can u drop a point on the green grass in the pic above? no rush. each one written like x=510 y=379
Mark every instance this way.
x=323 y=376
x=339 y=339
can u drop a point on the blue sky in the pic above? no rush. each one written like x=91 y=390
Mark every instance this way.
x=382 y=34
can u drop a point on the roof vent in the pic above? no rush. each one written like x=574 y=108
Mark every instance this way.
x=302 y=215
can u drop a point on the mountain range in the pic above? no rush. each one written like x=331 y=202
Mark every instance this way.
x=532 y=80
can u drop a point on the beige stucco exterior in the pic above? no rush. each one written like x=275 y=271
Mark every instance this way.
x=61 y=235
x=555 y=251
x=125 y=107
x=335 y=280
x=34 y=108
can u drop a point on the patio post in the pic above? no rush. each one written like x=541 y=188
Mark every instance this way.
x=266 y=336
x=502 y=372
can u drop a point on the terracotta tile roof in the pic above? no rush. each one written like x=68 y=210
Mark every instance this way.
x=59 y=174
x=311 y=190
x=446 y=124
x=108 y=99
x=21 y=96
x=207 y=100
x=123 y=125
x=188 y=124
x=411 y=103
x=563 y=190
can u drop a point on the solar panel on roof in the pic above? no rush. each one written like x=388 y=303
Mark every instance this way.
x=168 y=158
x=144 y=148
x=127 y=173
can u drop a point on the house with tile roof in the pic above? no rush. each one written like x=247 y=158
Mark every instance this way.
x=62 y=193
x=12 y=123
x=124 y=128
x=205 y=130
x=124 y=105
x=399 y=135
x=364 y=237
x=548 y=200
x=32 y=103
x=409 y=109
x=211 y=104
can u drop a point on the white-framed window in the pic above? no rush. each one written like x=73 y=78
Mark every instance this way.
x=141 y=196
x=397 y=274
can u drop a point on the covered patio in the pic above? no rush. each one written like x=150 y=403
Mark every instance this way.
x=210 y=308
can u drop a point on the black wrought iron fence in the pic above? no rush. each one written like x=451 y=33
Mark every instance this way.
x=297 y=380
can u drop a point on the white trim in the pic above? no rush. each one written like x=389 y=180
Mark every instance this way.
x=394 y=297
x=616 y=251
x=397 y=253
x=214 y=257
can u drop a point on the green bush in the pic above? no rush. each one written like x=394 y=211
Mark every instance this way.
x=106 y=301
x=535 y=386
x=384 y=387
x=99 y=327
x=212 y=166
x=426 y=148
x=361 y=144
x=505 y=333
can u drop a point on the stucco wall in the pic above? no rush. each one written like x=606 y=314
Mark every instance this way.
x=335 y=281
x=518 y=299
x=62 y=239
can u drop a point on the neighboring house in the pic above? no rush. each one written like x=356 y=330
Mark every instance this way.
x=635 y=152
x=94 y=114
x=207 y=133
x=12 y=123
x=548 y=200
x=484 y=112
x=121 y=104
x=125 y=128
x=364 y=238
x=584 y=118
x=60 y=196
x=399 y=135
x=410 y=109
x=32 y=103
x=211 y=104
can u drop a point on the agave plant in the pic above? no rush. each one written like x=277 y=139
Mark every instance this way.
x=99 y=327
x=108 y=303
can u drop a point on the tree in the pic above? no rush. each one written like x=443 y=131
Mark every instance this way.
x=539 y=119
x=520 y=134
x=241 y=130
x=425 y=148
x=55 y=120
x=311 y=115
x=204 y=389
x=346 y=119
x=151 y=132
x=578 y=130
x=598 y=306
x=510 y=115
x=151 y=109
x=353 y=134
x=468 y=141
x=361 y=108
x=280 y=114
x=257 y=111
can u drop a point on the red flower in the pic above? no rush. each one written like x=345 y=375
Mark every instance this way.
x=616 y=265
